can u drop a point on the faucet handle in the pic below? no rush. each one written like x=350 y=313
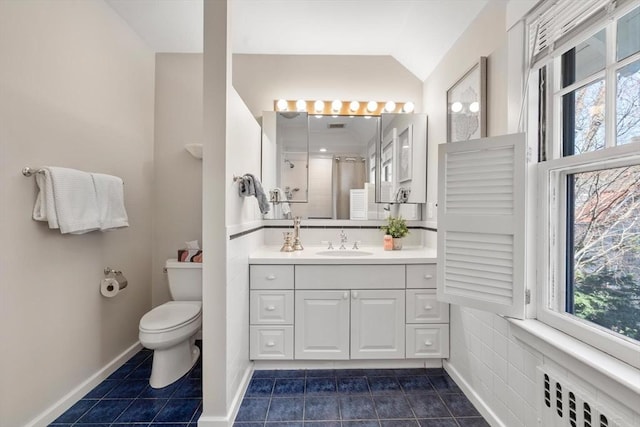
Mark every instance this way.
x=327 y=242
x=355 y=244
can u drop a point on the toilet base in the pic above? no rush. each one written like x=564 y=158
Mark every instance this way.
x=172 y=363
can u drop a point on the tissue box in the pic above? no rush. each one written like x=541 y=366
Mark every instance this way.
x=190 y=255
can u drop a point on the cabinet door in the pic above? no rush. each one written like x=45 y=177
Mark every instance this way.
x=322 y=325
x=377 y=324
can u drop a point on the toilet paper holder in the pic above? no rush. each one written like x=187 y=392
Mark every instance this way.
x=109 y=270
x=117 y=275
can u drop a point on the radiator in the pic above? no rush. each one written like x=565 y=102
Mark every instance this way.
x=564 y=404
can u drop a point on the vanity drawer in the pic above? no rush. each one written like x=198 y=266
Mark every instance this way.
x=271 y=276
x=271 y=307
x=271 y=342
x=427 y=341
x=421 y=276
x=423 y=307
x=350 y=277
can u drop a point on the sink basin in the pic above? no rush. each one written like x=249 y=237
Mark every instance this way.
x=344 y=253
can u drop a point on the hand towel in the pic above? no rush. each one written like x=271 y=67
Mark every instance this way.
x=110 y=200
x=75 y=201
x=263 y=201
x=44 y=208
x=246 y=187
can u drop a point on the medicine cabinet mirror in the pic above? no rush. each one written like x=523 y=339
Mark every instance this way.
x=326 y=167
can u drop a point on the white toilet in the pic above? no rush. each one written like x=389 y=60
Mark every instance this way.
x=169 y=329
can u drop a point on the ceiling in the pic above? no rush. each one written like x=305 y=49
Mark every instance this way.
x=417 y=33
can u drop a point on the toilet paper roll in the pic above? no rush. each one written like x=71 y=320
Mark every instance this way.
x=109 y=287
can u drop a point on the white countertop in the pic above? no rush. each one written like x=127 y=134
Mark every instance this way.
x=407 y=255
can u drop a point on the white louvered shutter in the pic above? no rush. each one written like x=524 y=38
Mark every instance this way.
x=481 y=224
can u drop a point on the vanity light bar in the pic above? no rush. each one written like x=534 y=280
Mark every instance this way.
x=343 y=108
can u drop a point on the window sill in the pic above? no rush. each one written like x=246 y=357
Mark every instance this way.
x=616 y=378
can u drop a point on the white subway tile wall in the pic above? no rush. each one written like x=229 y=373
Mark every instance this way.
x=502 y=371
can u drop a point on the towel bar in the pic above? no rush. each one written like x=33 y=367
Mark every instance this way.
x=27 y=171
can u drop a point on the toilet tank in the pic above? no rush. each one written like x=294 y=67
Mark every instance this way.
x=185 y=280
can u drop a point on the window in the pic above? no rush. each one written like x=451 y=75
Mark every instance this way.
x=589 y=184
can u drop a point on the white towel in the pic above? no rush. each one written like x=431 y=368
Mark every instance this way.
x=75 y=201
x=45 y=207
x=110 y=199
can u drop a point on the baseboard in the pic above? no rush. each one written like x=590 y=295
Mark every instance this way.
x=227 y=420
x=474 y=397
x=58 y=408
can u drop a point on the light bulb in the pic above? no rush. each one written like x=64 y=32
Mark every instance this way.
x=336 y=106
x=372 y=106
x=323 y=150
x=354 y=106
x=389 y=106
x=301 y=105
x=408 y=107
x=282 y=105
x=456 y=107
x=318 y=106
x=474 y=107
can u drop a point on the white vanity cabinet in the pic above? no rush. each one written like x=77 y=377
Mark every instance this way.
x=346 y=312
x=355 y=324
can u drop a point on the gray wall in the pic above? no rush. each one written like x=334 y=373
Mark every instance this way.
x=177 y=183
x=76 y=90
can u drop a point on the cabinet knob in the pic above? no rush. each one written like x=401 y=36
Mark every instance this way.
x=271 y=344
x=427 y=307
x=428 y=276
x=345 y=295
x=355 y=294
x=428 y=343
x=270 y=308
x=271 y=277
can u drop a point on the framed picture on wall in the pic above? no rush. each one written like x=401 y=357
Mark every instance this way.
x=466 y=105
x=405 y=154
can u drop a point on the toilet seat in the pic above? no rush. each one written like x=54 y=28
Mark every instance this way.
x=170 y=316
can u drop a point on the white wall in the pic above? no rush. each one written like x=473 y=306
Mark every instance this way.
x=177 y=175
x=76 y=90
x=243 y=214
x=495 y=368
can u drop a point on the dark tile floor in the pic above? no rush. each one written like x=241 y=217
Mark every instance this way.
x=291 y=398
x=125 y=399
x=356 y=397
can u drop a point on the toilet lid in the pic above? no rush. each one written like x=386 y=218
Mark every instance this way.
x=170 y=315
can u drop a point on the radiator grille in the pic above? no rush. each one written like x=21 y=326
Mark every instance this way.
x=564 y=404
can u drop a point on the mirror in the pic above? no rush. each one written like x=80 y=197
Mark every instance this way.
x=402 y=163
x=285 y=156
x=324 y=167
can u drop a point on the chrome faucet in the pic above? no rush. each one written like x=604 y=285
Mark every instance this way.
x=343 y=239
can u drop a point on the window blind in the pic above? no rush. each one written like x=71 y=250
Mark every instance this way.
x=554 y=22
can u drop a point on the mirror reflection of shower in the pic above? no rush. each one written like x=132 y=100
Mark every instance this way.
x=293 y=176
